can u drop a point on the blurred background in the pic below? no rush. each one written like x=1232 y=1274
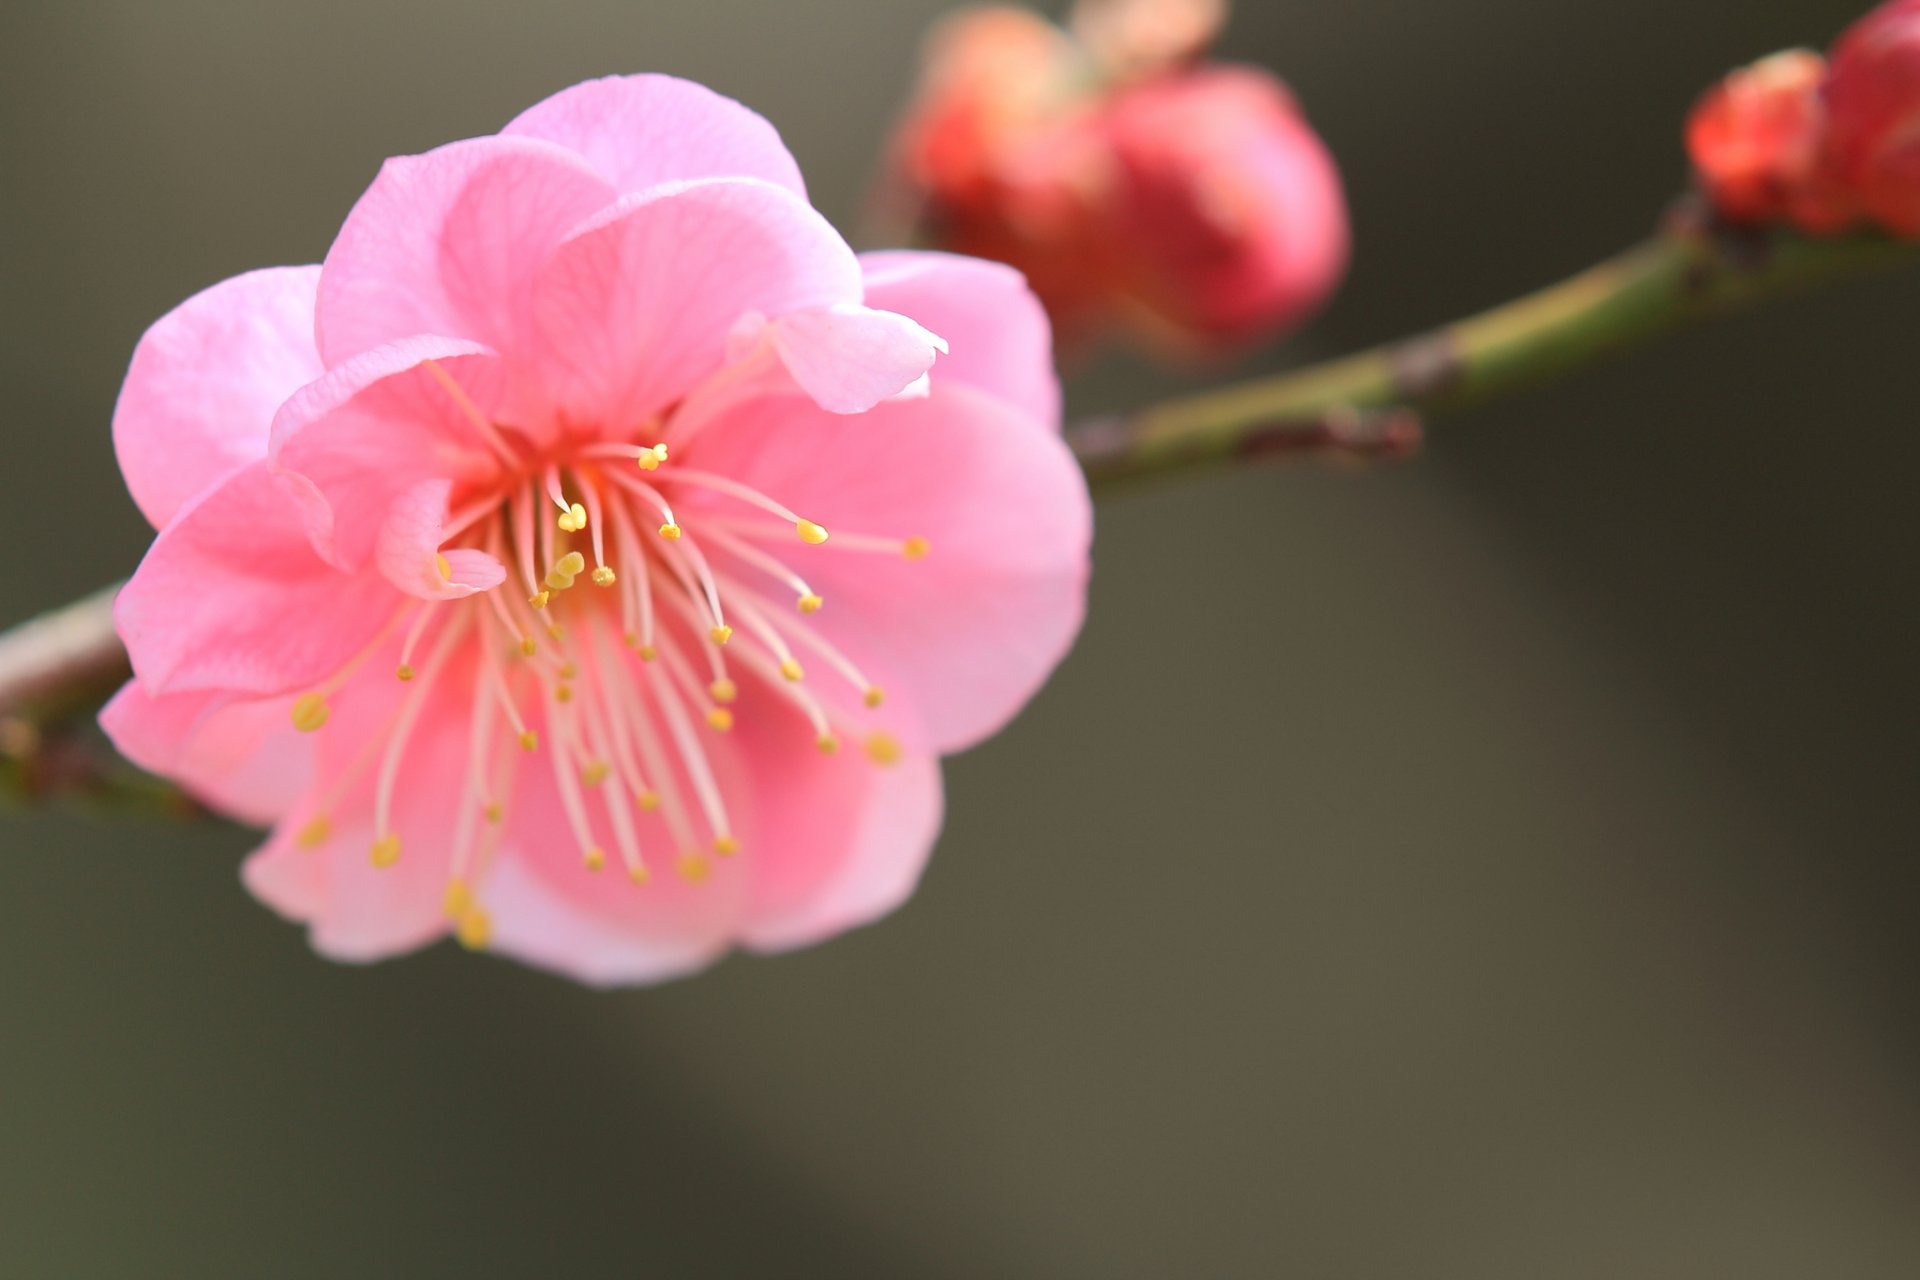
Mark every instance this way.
x=1500 y=865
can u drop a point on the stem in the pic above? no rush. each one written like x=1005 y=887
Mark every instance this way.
x=55 y=672
x=1364 y=405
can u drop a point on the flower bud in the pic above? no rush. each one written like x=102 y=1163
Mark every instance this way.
x=1228 y=219
x=1188 y=203
x=1872 y=98
x=1755 y=137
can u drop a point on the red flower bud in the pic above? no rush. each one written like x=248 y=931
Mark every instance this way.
x=1873 y=112
x=1755 y=137
x=1187 y=202
x=1227 y=218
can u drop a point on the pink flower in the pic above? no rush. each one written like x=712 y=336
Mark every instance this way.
x=592 y=558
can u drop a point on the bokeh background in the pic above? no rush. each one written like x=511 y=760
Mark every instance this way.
x=1501 y=865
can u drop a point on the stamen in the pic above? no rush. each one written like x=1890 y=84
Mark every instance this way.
x=692 y=756
x=602 y=742
x=571 y=800
x=808 y=601
x=622 y=710
x=310 y=711
x=640 y=598
x=419 y=628
x=386 y=848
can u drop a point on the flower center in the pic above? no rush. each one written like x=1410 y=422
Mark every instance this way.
x=621 y=631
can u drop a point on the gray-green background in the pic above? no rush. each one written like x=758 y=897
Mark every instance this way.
x=1498 y=866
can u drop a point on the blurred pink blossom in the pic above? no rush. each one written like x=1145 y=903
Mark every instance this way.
x=592 y=558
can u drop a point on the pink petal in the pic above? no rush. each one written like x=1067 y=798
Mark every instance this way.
x=448 y=242
x=231 y=596
x=378 y=425
x=636 y=307
x=971 y=631
x=357 y=912
x=839 y=843
x=409 y=550
x=205 y=381
x=640 y=131
x=1001 y=339
x=849 y=358
x=243 y=758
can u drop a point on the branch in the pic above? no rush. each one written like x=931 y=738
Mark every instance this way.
x=57 y=670
x=1365 y=405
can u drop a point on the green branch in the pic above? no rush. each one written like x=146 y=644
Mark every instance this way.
x=1369 y=404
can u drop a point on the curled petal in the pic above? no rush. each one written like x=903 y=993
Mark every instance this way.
x=378 y=425
x=1002 y=342
x=409 y=552
x=849 y=358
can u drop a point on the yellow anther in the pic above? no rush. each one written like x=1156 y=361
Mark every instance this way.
x=670 y=531
x=639 y=875
x=604 y=576
x=648 y=801
x=875 y=695
x=632 y=640
x=572 y=564
x=792 y=670
x=494 y=812
x=573 y=519
x=529 y=741
x=810 y=533
x=915 y=548
x=528 y=648
x=720 y=634
x=557 y=581
x=403 y=672
x=827 y=743
x=594 y=860
x=446 y=569
x=310 y=711
x=724 y=690
x=385 y=851
x=884 y=748
x=539 y=599
x=563 y=694
x=568 y=671
x=720 y=719
x=650 y=459
x=595 y=773
x=726 y=846
x=694 y=868
x=316 y=833
x=554 y=632
x=459 y=900
x=648 y=653
x=475 y=930
x=809 y=603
